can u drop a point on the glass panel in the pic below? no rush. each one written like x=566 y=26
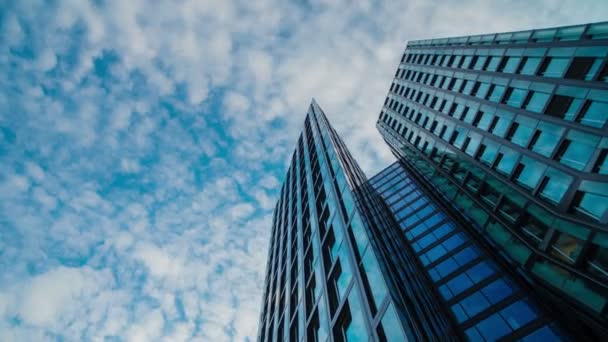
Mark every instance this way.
x=516 y=97
x=358 y=233
x=356 y=331
x=373 y=277
x=523 y=132
x=481 y=60
x=548 y=138
x=508 y=160
x=470 y=306
x=593 y=204
x=531 y=173
x=556 y=185
x=485 y=121
x=390 y=327
x=512 y=64
x=493 y=328
x=537 y=102
x=493 y=63
x=566 y=247
x=482 y=90
x=595 y=114
x=576 y=154
x=496 y=93
x=501 y=126
x=518 y=314
x=497 y=290
x=323 y=320
x=530 y=65
x=556 y=67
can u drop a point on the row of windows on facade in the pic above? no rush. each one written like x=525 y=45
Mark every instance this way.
x=564 y=246
x=331 y=251
x=576 y=149
x=595 y=31
x=575 y=104
x=486 y=304
x=532 y=175
x=538 y=136
x=585 y=63
x=276 y=240
x=565 y=241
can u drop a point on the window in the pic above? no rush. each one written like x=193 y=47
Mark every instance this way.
x=583 y=68
x=555 y=185
x=506 y=160
x=448 y=266
x=466 y=62
x=500 y=124
x=480 y=62
x=554 y=67
x=484 y=121
x=489 y=152
x=515 y=97
x=520 y=132
x=389 y=329
x=536 y=102
x=493 y=63
x=576 y=150
x=546 y=138
x=351 y=326
x=373 y=280
x=566 y=247
x=511 y=64
x=480 y=90
x=592 y=200
x=529 y=65
x=495 y=93
x=594 y=113
x=529 y=172
x=442 y=249
x=468 y=86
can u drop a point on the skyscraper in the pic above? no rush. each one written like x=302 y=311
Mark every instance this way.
x=329 y=272
x=508 y=133
x=491 y=224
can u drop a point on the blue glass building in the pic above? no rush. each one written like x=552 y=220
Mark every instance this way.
x=508 y=132
x=492 y=224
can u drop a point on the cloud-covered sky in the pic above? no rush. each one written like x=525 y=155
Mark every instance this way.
x=142 y=145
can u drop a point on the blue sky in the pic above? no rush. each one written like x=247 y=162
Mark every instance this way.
x=142 y=145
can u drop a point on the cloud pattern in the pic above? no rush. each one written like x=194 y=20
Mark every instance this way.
x=142 y=145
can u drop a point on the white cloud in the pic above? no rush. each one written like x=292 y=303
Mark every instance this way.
x=158 y=262
x=49 y=297
x=46 y=61
x=154 y=132
x=129 y=165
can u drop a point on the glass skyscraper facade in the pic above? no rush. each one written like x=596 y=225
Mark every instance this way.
x=492 y=224
x=509 y=130
x=481 y=296
x=334 y=272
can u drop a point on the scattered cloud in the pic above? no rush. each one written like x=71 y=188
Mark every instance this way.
x=143 y=143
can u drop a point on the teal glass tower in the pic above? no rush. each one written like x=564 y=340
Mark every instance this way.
x=507 y=132
x=329 y=276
